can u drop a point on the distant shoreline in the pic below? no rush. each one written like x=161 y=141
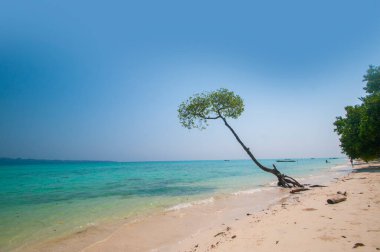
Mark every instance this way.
x=15 y=161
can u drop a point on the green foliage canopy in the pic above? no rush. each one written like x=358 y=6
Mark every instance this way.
x=359 y=130
x=199 y=108
x=373 y=80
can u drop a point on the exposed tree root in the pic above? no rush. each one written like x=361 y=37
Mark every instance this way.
x=284 y=180
x=299 y=190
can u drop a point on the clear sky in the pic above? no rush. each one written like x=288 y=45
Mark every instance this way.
x=102 y=80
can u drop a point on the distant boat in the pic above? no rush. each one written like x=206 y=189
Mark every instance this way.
x=285 y=160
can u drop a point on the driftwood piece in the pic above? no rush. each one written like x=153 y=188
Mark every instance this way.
x=220 y=233
x=342 y=193
x=317 y=186
x=299 y=190
x=358 y=244
x=336 y=200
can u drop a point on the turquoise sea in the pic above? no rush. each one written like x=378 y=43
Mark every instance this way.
x=43 y=200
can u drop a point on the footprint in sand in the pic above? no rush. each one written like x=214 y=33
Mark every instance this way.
x=309 y=209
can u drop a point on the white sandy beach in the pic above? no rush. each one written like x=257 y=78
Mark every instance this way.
x=305 y=222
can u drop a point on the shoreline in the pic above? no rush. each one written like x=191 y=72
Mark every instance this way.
x=181 y=214
x=155 y=232
x=305 y=222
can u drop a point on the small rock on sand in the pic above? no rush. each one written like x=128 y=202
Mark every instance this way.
x=358 y=244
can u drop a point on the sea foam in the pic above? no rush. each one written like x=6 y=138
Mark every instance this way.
x=190 y=204
x=252 y=191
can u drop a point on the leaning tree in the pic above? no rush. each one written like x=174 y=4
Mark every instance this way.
x=221 y=104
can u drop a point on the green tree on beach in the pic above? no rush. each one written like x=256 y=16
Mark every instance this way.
x=359 y=130
x=221 y=104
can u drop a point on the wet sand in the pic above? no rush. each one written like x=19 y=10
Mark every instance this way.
x=166 y=229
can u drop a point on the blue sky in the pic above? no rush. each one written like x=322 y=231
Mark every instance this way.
x=102 y=80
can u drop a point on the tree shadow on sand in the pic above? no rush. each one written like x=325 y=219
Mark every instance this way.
x=369 y=169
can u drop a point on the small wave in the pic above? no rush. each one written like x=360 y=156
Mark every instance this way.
x=190 y=204
x=317 y=176
x=341 y=167
x=251 y=191
x=87 y=225
x=273 y=183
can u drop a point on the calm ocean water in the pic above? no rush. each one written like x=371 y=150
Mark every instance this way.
x=49 y=199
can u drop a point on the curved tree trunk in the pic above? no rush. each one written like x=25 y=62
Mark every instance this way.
x=283 y=180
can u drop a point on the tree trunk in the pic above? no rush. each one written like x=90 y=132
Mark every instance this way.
x=283 y=180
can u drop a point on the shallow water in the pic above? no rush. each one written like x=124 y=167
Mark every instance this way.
x=48 y=199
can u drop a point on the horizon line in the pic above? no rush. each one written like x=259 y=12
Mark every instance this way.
x=141 y=161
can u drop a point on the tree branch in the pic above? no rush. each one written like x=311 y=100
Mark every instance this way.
x=208 y=117
x=212 y=118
